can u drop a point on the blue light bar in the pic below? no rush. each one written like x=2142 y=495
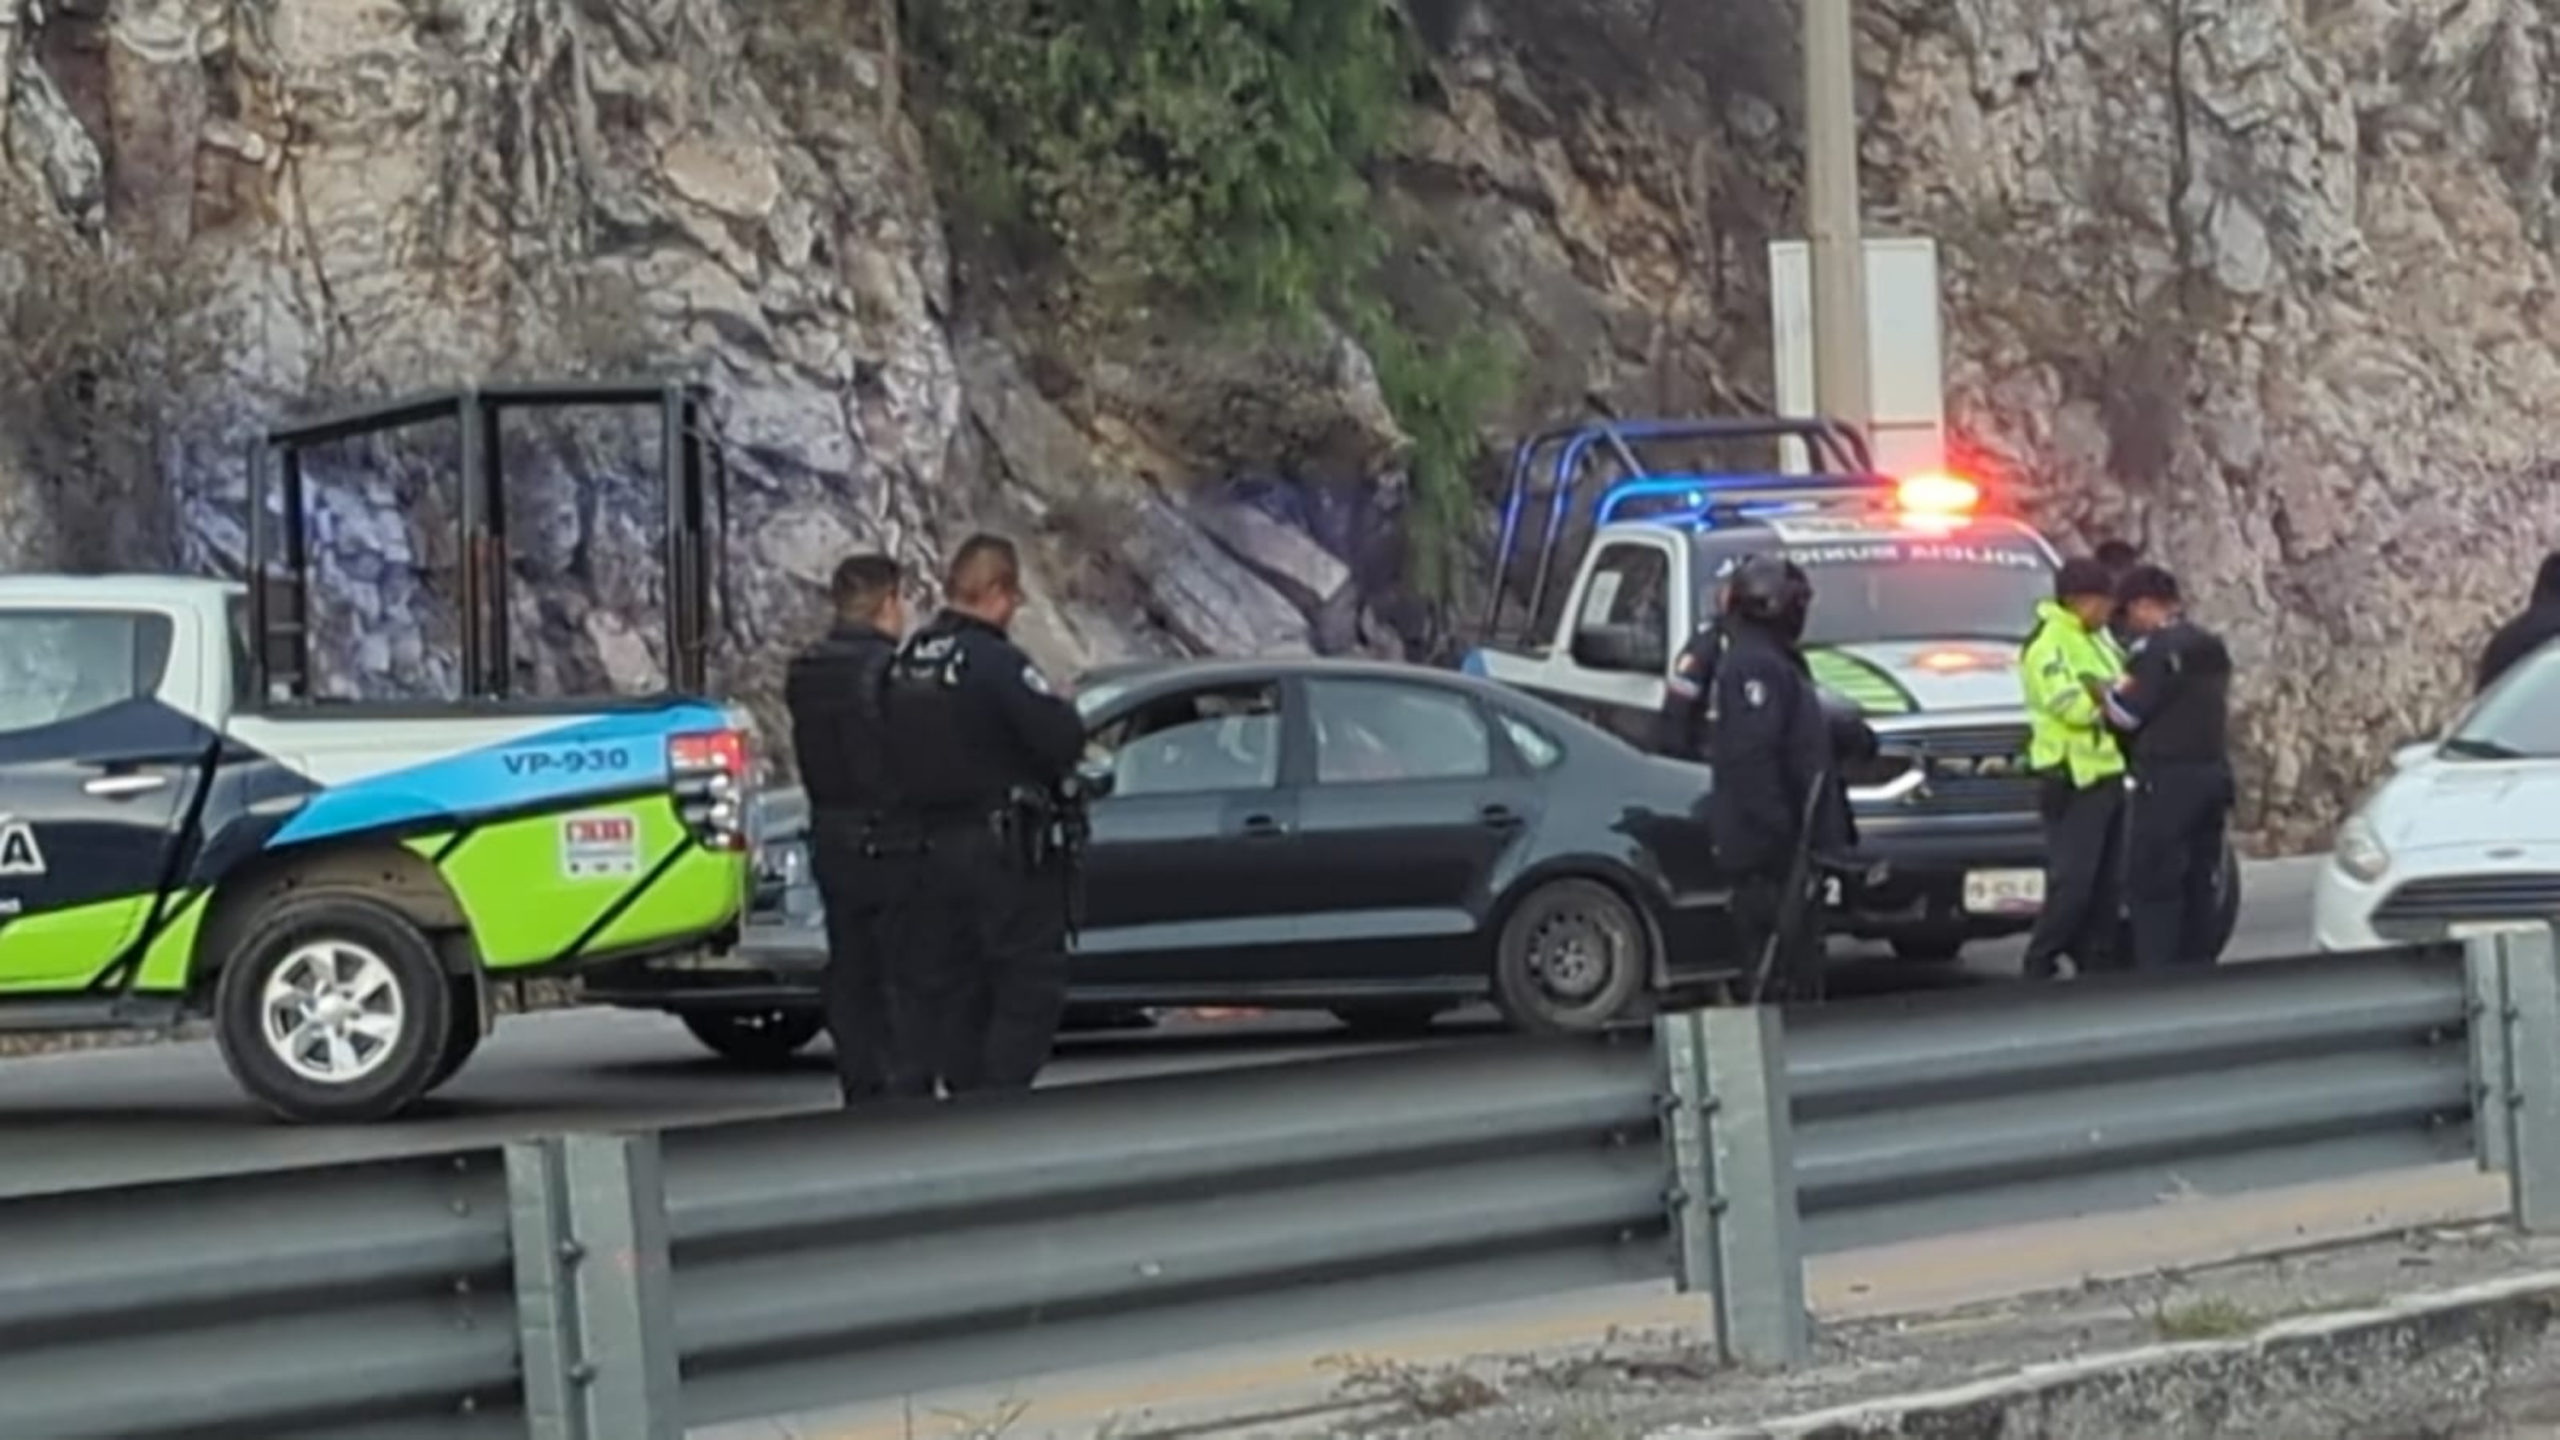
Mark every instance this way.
x=1693 y=487
x=1701 y=490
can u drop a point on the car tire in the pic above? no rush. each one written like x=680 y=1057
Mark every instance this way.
x=1389 y=1019
x=759 y=1038
x=1573 y=957
x=2229 y=899
x=2227 y=902
x=388 y=1005
x=463 y=1033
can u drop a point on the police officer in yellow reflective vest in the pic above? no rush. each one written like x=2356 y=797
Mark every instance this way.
x=2080 y=766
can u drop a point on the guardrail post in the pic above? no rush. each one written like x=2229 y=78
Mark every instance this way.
x=1689 y=1193
x=2531 y=962
x=595 y=1310
x=1734 y=1191
x=2484 y=968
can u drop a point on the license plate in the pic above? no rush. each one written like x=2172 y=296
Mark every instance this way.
x=2482 y=929
x=2003 y=892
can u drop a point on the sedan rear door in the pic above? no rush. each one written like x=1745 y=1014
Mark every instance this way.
x=1408 y=808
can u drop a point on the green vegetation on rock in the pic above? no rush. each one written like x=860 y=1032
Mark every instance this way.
x=1440 y=395
x=1212 y=153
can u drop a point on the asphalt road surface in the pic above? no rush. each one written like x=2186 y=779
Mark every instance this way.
x=145 y=1112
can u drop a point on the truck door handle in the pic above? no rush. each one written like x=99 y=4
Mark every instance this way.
x=116 y=787
x=1500 y=817
x=1259 y=827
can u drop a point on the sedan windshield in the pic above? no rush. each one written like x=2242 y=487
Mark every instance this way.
x=1918 y=589
x=2517 y=719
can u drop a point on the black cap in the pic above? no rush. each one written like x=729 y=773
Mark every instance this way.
x=2117 y=555
x=2083 y=579
x=2147 y=582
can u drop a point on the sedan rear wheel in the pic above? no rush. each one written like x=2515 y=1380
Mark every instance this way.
x=1573 y=957
x=759 y=1038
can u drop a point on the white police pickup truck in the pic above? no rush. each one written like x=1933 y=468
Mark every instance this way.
x=188 y=831
x=1922 y=603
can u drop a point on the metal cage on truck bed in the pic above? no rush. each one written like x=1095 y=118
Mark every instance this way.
x=692 y=479
x=1842 y=461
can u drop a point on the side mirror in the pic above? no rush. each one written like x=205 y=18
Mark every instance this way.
x=2411 y=753
x=1619 y=647
x=1097 y=777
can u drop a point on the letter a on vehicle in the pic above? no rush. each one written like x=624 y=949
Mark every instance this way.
x=19 y=853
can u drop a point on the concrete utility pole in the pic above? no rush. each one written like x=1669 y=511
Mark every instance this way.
x=1835 y=241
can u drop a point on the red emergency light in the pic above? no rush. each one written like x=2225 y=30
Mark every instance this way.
x=1936 y=493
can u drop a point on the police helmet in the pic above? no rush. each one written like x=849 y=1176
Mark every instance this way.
x=1773 y=591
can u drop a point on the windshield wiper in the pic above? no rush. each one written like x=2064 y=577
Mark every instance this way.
x=2478 y=749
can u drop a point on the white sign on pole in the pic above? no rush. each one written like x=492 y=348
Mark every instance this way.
x=1905 y=361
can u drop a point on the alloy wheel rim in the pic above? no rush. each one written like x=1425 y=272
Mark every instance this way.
x=332 y=1012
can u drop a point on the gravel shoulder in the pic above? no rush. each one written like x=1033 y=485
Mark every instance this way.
x=1639 y=1383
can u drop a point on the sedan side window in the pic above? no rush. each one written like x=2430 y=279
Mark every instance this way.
x=1371 y=731
x=1538 y=750
x=1195 y=743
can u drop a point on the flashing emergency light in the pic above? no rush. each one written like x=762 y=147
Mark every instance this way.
x=1938 y=494
x=1701 y=496
x=1691 y=489
x=1955 y=661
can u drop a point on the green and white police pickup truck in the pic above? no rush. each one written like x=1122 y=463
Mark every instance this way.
x=187 y=833
x=1922 y=602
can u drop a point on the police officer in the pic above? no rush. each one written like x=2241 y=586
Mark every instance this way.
x=983 y=744
x=1777 y=804
x=833 y=691
x=1682 y=733
x=2080 y=766
x=2174 y=702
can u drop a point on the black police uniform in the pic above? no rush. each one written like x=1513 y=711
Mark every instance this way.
x=833 y=691
x=1683 y=729
x=1772 y=745
x=2175 y=705
x=976 y=731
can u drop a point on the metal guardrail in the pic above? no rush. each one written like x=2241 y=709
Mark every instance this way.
x=1920 y=1118
x=358 y=1302
x=621 y=1287
x=819 y=1261
x=1902 y=1119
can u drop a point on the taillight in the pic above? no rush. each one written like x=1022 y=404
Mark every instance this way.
x=707 y=769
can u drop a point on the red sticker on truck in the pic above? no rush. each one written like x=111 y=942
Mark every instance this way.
x=600 y=844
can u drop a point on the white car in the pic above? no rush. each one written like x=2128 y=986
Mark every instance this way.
x=2464 y=835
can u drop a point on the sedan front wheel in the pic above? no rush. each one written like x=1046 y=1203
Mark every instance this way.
x=1572 y=958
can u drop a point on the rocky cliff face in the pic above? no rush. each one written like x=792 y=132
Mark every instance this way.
x=2267 y=286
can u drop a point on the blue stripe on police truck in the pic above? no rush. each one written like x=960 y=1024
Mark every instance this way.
x=604 y=752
